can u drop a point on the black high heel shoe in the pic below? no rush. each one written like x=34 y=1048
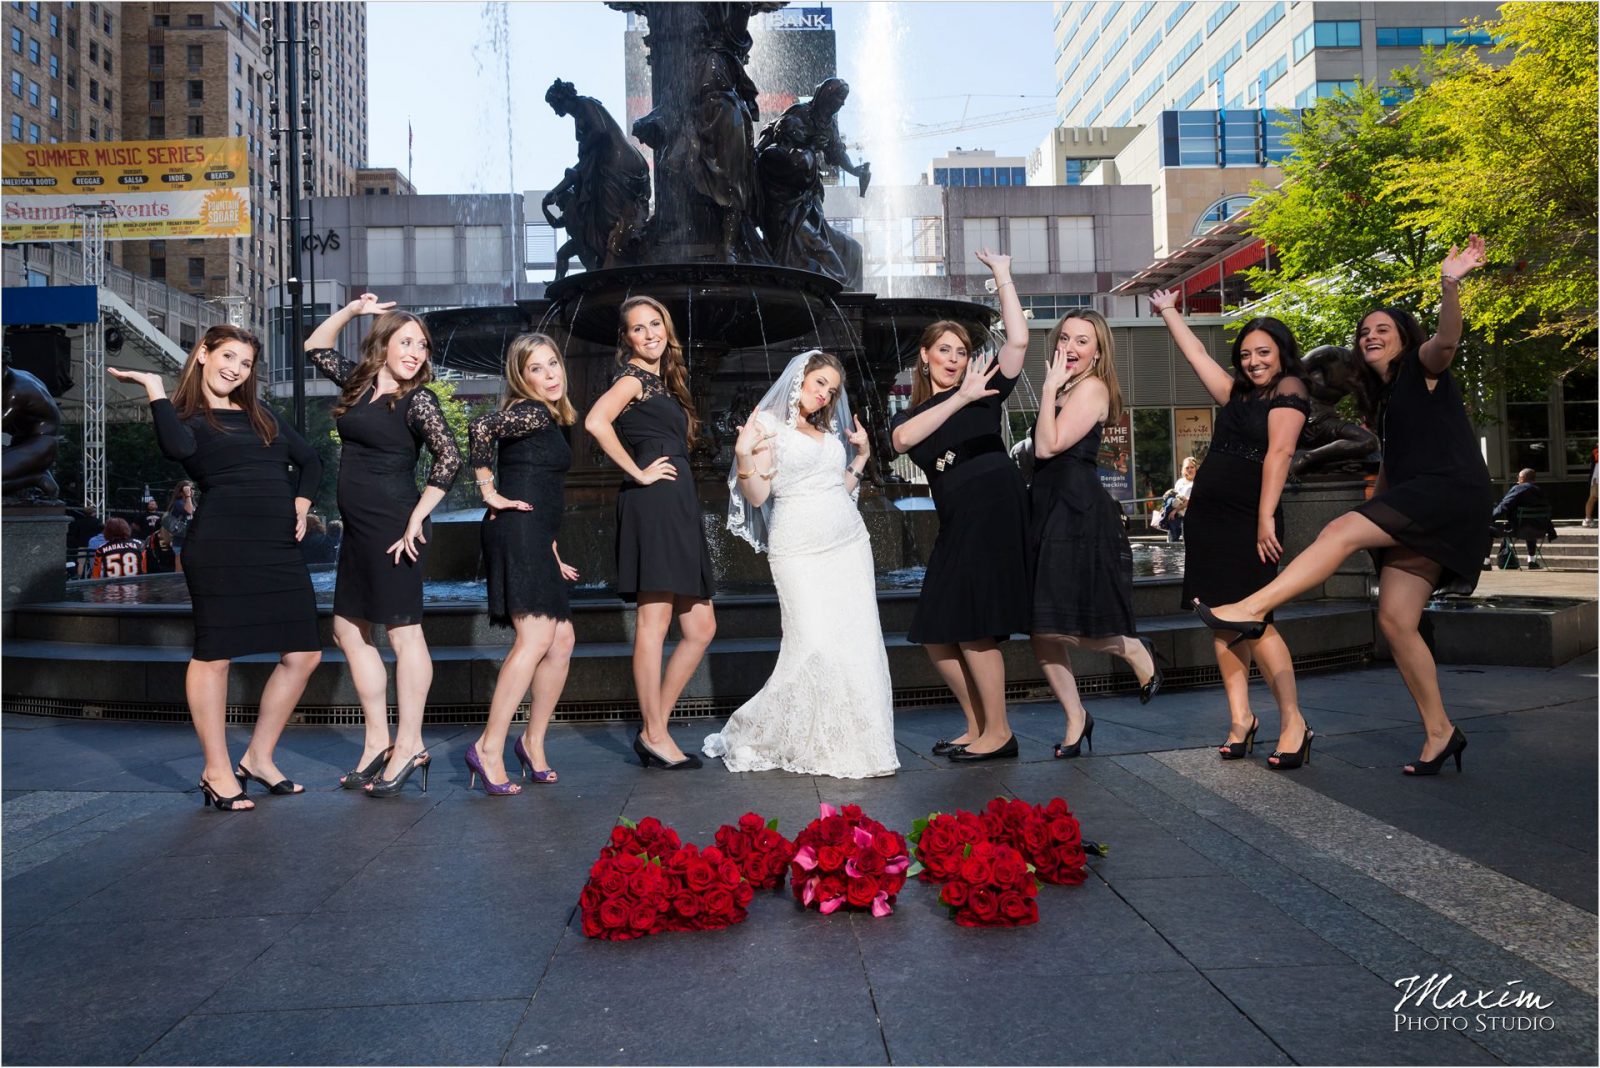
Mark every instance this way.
x=209 y=796
x=355 y=780
x=1248 y=630
x=283 y=786
x=1290 y=761
x=1452 y=748
x=1085 y=740
x=967 y=756
x=381 y=787
x=1237 y=750
x=649 y=759
x=1153 y=686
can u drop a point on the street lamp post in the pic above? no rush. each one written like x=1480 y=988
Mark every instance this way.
x=291 y=52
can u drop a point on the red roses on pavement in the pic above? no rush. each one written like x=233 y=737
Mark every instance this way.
x=763 y=855
x=975 y=857
x=846 y=859
x=646 y=881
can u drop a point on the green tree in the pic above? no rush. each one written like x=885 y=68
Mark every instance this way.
x=1510 y=152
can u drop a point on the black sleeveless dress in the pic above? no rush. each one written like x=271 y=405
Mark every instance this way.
x=247 y=582
x=978 y=583
x=1221 y=564
x=661 y=542
x=1083 y=563
x=518 y=553
x=378 y=490
x=1437 y=500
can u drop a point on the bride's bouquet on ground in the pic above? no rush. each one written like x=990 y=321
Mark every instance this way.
x=846 y=859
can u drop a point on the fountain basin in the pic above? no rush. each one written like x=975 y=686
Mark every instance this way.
x=1509 y=631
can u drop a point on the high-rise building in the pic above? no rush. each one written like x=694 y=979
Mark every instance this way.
x=197 y=69
x=1203 y=85
x=976 y=167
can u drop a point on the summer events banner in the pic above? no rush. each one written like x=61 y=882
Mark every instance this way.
x=158 y=189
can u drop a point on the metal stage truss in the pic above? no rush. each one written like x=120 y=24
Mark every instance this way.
x=92 y=241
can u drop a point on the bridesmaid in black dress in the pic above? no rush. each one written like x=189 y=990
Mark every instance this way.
x=975 y=593
x=247 y=583
x=384 y=416
x=527 y=580
x=1233 y=529
x=1428 y=523
x=646 y=423
x=1083 y=563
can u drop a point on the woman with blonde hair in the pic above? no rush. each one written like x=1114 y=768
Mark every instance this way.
x=248 y=586
x=385 y=416
x=976 y=587
x=1083 y=564
x=646 y=423
x=828 y=707
x=527 y=580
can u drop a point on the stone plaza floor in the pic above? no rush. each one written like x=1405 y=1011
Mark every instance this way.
x=1242 y=916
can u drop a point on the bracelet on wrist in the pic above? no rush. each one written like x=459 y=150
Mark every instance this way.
x=1445 y=276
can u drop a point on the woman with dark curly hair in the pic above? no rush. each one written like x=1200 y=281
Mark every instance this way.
x=385 y=416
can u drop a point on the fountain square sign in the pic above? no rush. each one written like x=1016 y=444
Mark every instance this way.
x=159 y=189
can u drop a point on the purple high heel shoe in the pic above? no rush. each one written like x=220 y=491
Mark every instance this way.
x=492 y=789
x=547 y=776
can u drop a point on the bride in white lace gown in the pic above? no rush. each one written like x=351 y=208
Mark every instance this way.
x=827 y=709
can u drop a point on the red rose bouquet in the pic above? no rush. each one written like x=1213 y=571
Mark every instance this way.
x=993 y=887
x=707 y=891
x=649 y=837
x=845 y=859
x=941 y=842
x=626 y=897
x=1047 y=836
x=755 y=845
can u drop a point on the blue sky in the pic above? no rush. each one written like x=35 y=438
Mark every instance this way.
x=435 y=65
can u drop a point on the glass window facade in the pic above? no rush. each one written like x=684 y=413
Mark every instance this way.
x=977 y=176
x=1438 y=36
x=1076 y=244
x=1259 y=28
x=1327 y=35
x=1030 y=245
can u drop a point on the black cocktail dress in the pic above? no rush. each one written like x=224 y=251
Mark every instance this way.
x=1436 y=501
x=1221 y=563
x=383 y=440
x=978 y=583
x=518 y=547
x=661 y=543
x=1083 y=563
x=247 y=582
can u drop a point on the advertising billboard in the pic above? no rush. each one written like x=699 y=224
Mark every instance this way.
x=158 y=189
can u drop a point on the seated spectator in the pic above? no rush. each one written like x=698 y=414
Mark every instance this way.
x=1175 y=502
x=317 y=547
x=1525 y=513
x=159 y=556
x=121 y=556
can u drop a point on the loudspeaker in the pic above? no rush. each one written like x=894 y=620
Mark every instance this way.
x=44 y=352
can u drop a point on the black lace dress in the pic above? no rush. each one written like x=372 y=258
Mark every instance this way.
x=383 y=440
x=247 y=582
x=1083 y=570
x=977 y=583
x=1436 y=501
x=518 y=547
x=661 y=543
x=1221 y=563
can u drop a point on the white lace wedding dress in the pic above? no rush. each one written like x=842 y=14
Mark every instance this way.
x=827 y=708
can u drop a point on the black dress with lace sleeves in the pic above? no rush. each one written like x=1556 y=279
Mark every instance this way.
x=425 y=419
x=383 y=439
x=334 y=367
x=1221 y=562
x=519 y=547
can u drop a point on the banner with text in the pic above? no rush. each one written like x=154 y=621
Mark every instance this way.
x=157 y=189
x=1115 y=460
x=1191 y=435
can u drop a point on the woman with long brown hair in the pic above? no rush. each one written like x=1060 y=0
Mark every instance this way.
x=1083 y=564
x=384 y=417
x=646 y=422
x=247 y=583
x=527 y=582
x=975 y=592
